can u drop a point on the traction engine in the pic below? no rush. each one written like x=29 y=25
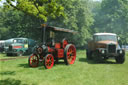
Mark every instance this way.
x=50 y=52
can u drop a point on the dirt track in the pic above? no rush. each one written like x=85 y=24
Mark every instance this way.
x=12 y=58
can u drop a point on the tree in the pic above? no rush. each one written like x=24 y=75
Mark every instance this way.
x=78 y=17
x=3 y=30
x=41 y=9
x=113 y=17
x=15 y=23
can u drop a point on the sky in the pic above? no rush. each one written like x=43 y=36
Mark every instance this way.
x=96 y=0
x=1 y=2
x=4 y=1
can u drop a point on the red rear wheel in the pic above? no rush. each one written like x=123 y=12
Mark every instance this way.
x=49 y=61
x=70 y=54
x=33 y=60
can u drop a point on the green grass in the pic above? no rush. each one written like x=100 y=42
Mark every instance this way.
x=83 y=72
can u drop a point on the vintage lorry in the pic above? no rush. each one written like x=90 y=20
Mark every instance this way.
x=105 y=46
x=2 y=44
x=19 y=46
x=51 y=50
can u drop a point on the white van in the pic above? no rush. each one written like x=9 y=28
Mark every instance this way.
x=2 y=44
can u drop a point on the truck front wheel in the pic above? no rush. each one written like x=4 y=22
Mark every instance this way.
x=96 y=56
x=120 y=59
x=9 y=54
x=89 y=55
x=20 y=53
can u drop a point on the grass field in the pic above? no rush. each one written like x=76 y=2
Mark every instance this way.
x=83 y=72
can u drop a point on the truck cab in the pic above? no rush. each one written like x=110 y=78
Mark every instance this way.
x=19 y=46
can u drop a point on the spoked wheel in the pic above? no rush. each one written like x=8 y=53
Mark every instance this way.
x=33 y=60
x=89 y=55
x=70 y=54
x=49 y=61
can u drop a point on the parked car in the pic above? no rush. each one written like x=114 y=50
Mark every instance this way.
x=2 y=44
x=19 y=46
x=105 y=46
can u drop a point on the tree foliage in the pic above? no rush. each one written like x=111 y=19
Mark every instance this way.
x=17 y=24
x=77 y=16
x=113 y=17
x=41 y=9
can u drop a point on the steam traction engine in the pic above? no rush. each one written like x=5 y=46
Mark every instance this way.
x=51 y=51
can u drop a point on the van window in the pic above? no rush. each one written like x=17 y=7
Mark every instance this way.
x=18 y=41
x=25 y=41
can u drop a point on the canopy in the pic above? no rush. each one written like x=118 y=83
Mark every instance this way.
x=60 y=29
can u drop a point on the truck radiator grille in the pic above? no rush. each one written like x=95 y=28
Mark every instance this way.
x=10 y=48
x=111 y=48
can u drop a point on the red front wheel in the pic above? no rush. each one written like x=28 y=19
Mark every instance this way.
x=49 y=61
x=33 y=60
x=70 y=54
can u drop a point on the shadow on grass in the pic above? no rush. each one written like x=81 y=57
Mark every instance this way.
x=59 y=63
x=41 y=65
x=14 y=55
x=10 y=81
x=95 y=62
x=7 y=73
x=25 y=65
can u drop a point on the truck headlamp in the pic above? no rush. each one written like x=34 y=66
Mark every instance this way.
x=120 y=51
x=102 y=51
